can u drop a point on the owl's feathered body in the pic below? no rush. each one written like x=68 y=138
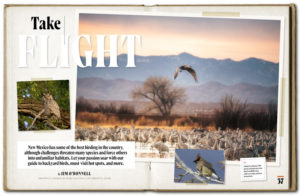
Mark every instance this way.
x=50 y=106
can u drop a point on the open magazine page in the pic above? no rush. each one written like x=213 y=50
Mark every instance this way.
x=147 y=98
x=182 y=169
x=41 y=101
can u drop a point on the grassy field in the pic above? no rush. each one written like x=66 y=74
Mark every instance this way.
x=88 y=119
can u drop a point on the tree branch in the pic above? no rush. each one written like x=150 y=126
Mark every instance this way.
x=32 y=108
x=51 y=125
x=181 y=165
x=38 y=115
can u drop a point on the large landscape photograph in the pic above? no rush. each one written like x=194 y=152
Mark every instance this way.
x=199 y=83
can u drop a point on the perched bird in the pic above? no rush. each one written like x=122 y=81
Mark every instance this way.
x=50 y=106
x=205 y=168
x=187 y=68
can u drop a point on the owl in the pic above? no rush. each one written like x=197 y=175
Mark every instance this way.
x=50 y=106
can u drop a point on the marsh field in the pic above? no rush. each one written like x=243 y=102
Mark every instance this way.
x=239 y=128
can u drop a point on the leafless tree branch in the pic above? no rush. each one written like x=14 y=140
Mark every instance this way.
x=181 y=165
x=161 y=93
x=38 y=115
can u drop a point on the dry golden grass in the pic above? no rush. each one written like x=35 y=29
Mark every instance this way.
x=88 y=119
x=249 y=129
x=211 y=128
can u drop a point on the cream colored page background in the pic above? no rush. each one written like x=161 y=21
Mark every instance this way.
x=139 y=178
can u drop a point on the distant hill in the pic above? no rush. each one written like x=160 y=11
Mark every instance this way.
x=227 y=72
x=120 y=89
x=214 y=91
x=103 y=89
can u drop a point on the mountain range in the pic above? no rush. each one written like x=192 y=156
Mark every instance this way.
x=226 y=72
x=120 y=90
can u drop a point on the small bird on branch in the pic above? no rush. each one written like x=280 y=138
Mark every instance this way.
x=205 y=168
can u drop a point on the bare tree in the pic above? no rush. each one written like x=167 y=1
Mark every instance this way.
x=266 y=119
x=272 y=115
x=162 y=94
x=232 y=113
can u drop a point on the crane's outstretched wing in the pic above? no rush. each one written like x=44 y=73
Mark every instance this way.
x=193 y=73
x=176 y=73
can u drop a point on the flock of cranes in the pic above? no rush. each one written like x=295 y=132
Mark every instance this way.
x=161 y=143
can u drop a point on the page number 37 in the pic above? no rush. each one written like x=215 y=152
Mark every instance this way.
x=280 y=179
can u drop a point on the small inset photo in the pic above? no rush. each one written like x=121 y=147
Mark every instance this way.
x=199 y=166
x=43 y=105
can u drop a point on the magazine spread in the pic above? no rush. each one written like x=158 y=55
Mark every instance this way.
x=148 y=98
